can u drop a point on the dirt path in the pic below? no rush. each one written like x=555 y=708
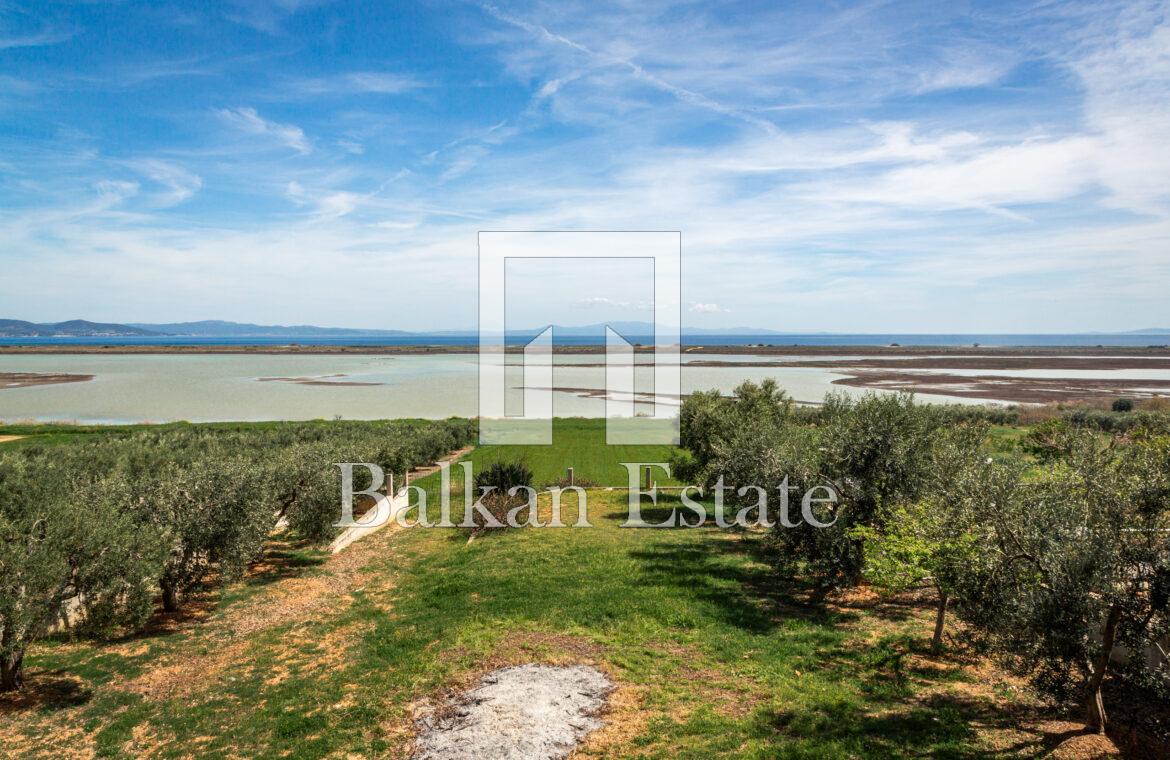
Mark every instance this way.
x=7 y=438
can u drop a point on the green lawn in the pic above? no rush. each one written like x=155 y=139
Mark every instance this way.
x=578 y=443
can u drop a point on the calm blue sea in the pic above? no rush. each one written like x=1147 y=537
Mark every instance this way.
x=857 y=339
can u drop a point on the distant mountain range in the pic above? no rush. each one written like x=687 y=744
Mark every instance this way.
x=215 y=328
x=634 y=328
x=74 y=328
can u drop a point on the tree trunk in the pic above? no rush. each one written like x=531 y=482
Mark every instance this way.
x=1095 y=705
x=940 y=622
x=170 y=596
x=12 y=671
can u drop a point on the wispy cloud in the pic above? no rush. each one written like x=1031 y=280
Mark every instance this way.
x=604 y=302
x=631 y=67
x=707 y=308
x=829 y=165
x=34 y=40
x=177 y=183
x=250 y=122
x=268 y=16
x=357 y=82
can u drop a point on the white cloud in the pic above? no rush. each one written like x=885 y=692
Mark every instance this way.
x=178 y=183
x=865 y=200
x=357 y=82
x=707 y=308
x=34 y=40
x=1126 y=73
x=113 y=192
x=1041 y=171
x=250 y=122
x=268 y=15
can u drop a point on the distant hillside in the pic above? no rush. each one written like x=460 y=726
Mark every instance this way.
x=216 y=328
x=645 y=328
x=74 y=328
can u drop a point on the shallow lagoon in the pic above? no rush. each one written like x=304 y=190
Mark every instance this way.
x=214 y=387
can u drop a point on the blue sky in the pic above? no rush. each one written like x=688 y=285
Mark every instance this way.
x=880 y=166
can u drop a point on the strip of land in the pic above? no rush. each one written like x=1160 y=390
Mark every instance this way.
x=27 y=379
x=753 y=350
x=961 y=362
x=324 y=380
x=1025 y=390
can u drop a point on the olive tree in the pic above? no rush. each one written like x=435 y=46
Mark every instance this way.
x=308 y=485
x=875 y=450
x=708 y=419
x=1078 y=565
x=210 y=511
x=68 y=550
x=934 y=538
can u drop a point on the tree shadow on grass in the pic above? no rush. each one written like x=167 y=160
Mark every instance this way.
x=283 y=559
x=842 y=727
x=721 y=572
x=940 y=726
x=45 y=691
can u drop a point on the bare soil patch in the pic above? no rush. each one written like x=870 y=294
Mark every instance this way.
x=526 y=712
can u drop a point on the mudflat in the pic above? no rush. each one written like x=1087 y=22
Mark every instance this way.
x=1026 y=390
x=27 y=379
x=323 y=380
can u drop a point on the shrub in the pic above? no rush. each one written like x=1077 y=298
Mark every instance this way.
x=1076 y=564
x=708 y=418
x=933 y=539
x=1049 y=440
x=499 y=485
x=503 y=476
x=876 y=450
x=1122 y=405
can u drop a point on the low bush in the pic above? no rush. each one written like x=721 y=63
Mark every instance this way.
x=501 y=488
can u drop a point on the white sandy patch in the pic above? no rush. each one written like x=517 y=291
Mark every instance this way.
x=527 y=712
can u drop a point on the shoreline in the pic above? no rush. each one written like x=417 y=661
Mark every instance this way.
x=749 y=350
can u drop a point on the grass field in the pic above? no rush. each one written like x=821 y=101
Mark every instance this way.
x=580 y=444
x=316 y=656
